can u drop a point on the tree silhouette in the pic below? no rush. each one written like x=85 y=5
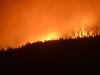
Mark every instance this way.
x=80 y=55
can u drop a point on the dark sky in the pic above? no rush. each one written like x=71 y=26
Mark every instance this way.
x=31 y=20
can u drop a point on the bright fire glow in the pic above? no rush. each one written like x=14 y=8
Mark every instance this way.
x=50 y=36
x=82 y=30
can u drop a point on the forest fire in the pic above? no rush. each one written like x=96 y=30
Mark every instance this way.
x=50 y=36
x=83 y=31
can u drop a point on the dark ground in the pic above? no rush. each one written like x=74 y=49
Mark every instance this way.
x=64 y=57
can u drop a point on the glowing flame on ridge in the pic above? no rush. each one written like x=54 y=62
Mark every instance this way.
x=82 y=30
x=50 y=36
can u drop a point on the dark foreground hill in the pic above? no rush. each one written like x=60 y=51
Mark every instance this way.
x=71 y=56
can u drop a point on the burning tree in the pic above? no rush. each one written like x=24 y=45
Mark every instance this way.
x=84 y=30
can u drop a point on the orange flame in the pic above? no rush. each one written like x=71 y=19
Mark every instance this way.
x=82 y=30
x=50 y=36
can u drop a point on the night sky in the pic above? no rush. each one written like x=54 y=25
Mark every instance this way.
x=32 y=20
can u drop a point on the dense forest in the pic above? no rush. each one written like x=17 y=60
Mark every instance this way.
x=80 y=55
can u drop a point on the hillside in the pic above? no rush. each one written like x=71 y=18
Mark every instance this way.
x=79 y=55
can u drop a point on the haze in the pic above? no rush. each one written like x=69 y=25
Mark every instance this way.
x=23 y=21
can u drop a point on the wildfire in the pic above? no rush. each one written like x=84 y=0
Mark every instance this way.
x=50 y=36
x=82 y=30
